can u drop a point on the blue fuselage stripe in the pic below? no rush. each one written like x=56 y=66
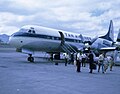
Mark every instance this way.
x=21 y=34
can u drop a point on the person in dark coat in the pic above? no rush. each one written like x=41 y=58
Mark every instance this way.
x=78 y=64
x=90 y=61
x=72 y=58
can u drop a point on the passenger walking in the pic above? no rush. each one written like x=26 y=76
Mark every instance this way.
x=78 y=62
x=83 y=59
x=66 y=59
x=90 y=61
x=100 y=62
x=106 y=64
x=72 y=58
x=111 y=62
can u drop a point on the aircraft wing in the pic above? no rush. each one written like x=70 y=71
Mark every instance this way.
x=108 y=48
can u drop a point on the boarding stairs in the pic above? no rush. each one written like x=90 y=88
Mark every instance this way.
x=68 y=48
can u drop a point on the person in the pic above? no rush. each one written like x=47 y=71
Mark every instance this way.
x=90 y=61
x=106 y=64
x=72 y=58
x=66 y=58
x=111 y=62
x=78 y=62
x=100 y=62
x=83 y=59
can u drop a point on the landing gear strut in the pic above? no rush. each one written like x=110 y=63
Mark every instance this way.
x=30 y=58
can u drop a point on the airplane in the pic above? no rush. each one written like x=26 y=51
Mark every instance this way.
x=31 y=38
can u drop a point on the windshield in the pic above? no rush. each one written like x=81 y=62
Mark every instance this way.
x=21 y=31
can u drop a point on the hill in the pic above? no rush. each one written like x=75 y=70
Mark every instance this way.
x=4 y=38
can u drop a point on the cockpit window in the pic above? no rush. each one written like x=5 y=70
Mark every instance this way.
x=17 y=34
x=31 y=31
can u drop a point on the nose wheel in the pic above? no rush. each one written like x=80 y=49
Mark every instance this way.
x=30 y=58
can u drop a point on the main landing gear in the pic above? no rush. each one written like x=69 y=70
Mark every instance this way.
x=30 y=58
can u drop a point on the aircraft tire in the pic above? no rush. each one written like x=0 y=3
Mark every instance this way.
x=31 y=59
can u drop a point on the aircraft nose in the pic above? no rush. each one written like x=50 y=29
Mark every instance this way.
x=15 y=41
x=10 y=42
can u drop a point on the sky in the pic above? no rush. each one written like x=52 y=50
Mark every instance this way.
x=87 y=17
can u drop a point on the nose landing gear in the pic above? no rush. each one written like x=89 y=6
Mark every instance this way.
x=30 y=58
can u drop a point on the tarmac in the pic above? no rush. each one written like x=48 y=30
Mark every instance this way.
x=18 y=76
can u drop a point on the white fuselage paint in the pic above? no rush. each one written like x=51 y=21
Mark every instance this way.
x=35 y=44
x=44 y=44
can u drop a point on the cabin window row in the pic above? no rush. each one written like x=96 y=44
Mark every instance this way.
x=71 y=35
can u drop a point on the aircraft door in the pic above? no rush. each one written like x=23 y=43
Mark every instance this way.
x=62 y=37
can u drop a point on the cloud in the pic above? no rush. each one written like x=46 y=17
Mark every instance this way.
x=82 y=16
x=8 y=29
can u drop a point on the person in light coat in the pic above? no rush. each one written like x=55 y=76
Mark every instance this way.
x=100 y=62
x=83 y=59
x=66 y=58
x=106 y=64
x=111 y=62
x=78 y=62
